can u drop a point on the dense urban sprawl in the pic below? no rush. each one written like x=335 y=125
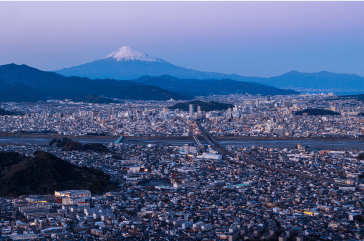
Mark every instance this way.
x=184 y=192
x=252 y=116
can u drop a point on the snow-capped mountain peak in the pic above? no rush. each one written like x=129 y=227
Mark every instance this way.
x=126 y=53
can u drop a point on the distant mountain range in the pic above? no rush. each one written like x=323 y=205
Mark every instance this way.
x=198 y=87
x=93 y=99
x=126 y=63
x=315 y=81
x=21 y=83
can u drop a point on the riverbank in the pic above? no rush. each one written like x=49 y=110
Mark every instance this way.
x=223 y=138
x=323 y=144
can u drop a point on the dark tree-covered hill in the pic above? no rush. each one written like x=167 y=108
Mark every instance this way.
x=317 y=112
x=69 y=145
x=205 y=106
x=45 y=173
x=4 y=112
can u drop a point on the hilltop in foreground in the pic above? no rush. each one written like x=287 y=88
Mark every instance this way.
x=4 y=112
x=45 y=173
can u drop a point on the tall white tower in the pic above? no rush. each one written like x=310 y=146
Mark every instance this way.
x=191 y=110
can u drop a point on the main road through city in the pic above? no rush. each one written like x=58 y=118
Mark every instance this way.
x=231 y=157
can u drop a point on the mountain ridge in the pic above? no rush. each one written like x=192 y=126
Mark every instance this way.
x=21 y=83
x=109 y=68
x=113 y=68
x=211 y=86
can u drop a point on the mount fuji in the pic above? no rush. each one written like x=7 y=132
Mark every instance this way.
x=126 y=64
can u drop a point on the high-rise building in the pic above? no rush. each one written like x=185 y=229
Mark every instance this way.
x=94 y=114
x=82 y=113
x=110 y=111
x=228 y=113
x=191 y=111
x=198 y=109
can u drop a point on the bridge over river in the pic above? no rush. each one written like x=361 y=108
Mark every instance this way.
x=232 y=158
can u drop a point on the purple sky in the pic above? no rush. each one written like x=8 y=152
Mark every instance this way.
x=246 y=38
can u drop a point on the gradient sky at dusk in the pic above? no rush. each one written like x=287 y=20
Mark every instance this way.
x=247 y=38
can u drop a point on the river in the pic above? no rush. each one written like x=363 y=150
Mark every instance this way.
x=340 y=144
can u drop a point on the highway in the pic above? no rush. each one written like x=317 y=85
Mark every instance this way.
x=231 y=157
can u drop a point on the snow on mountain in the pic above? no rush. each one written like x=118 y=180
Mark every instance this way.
x=126 y=63
x=126 y=53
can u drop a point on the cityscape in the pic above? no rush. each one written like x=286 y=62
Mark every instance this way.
x=251 y=116
x=175 y=184
x=206 y=121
